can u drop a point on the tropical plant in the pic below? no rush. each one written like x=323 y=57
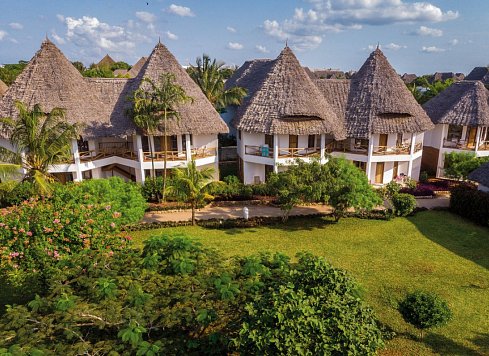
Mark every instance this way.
x=79 y=65
x=39 y=140
x=189 y=184
x=9 y=72
x=154 y=105
x=458 y=165
x=423 y=90
x=424 y=310
x=210 y=76
x=403 y=204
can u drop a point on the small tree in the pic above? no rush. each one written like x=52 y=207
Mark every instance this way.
x=348 y=187
x=458 y=165
x=424 y=310
x=189 y=185
x=403 y=204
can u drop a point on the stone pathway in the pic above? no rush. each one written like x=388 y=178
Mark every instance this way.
x=233 y=212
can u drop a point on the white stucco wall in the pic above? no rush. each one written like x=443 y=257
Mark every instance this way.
x=251 y=170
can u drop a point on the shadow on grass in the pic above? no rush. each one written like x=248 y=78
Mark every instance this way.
x=445 y=346
x=482 y=342
x=456 y=234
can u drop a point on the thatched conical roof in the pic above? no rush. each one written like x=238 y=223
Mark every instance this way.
x=197 y=117
x=379 y=102
x=462 y=103
x=479 y=73
x=3 y=88
x=282 y=99
x=107 y=61
x=133 y=72
x=480 y=175
x=49 y=79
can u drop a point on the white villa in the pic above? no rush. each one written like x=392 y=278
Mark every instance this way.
x=461 y=117
x=372 y=120
x=110 y=144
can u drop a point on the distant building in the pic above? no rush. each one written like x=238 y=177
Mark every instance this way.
x=481 y=176
x=408 y=78
x=461 y=117
x=107 y=61
x=479 y=73
x=442 y=76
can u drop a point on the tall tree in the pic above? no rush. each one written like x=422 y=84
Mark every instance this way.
x=39 y=140
x=190 y=183
x=154 y=105
x=423 y=90
x=210 y=76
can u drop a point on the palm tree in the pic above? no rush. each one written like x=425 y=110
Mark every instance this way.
x=189 y=185
x=153 y=108
x=210 y=76
x=39 y=140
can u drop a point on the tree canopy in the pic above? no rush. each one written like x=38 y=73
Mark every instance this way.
x=9 y=72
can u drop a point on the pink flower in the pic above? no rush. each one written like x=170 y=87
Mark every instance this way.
x=56 y=221
x=21 y=230
x=29 y=233
x=108 y=207
x=14 y=254
x=112 y=225
x=116 y=215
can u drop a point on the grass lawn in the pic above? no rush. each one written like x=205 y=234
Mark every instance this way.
x=434 y=251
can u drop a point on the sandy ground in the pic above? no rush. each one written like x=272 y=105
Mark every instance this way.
x=232 y=212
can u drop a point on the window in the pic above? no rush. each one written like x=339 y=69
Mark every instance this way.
x=399 y=140
x=269 y=140
x=82 y=145
x=311 y=141
x=145 y=143
x=454 y=132
x=293 y=141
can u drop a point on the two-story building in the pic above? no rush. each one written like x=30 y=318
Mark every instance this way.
x=110 y=144
x=461 y=117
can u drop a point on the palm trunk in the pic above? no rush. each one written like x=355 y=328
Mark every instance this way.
x=164 y=156
x=193 y=213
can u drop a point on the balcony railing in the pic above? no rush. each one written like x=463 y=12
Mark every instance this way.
x=196 y=153
x=93 y=155
x=458 y=144
x=350 y=147
x=484 y=146
x=283 y=152
x=396 y=150
x=203 y=152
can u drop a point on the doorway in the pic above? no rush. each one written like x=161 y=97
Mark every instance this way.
x=379 y=173
x=383 y=140
x=293 y=141
x=471 y=136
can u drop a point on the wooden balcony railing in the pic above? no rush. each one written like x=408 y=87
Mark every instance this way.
x=484 y=146
x=350 y=147
x=196 y=153
x=203 y=152
x=458 y=144
x=93 y=155
x=283 y=152
x=262 y=151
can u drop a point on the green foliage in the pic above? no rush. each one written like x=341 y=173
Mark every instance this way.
x=230 y=188
x=424 y=310
x=403 y=204
x=120 y=65
x=79 y=66
x=210 y=76
x=423 y=90
x=98 y=72
x=183 y=298
x=470 y=203
x=423 y=176
x=9 y=72
x=36 y=234
x=458 y=165
x=41 y=140
x=152 y=189
x=114 y=193
x=314 y=310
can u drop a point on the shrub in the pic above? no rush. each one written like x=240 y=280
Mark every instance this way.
x=38 y=233
x=470 y=203
x=152 y=189
x=20 y=192
x=423 y=176
x=230 y=189
x=424 y=310
x=403 y=204
x=125 y=198
x=458 y=165
x=419 y=191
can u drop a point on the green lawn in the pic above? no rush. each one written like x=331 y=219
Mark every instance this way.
x=434 y=251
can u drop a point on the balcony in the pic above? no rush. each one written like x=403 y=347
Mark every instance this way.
x=458 y=144
x=484 y=146
x=284 y=152
x=404 y=149
x=196 y=153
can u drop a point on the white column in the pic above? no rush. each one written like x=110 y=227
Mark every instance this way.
x=140 y=176
x=369 y=156
x=477 y=139
x=179 y=143
x=275 y=153
x=188 y=146
x=151 y=144
x=411 y=153
x=76 y=155
x=322 y=152
x=413 y=144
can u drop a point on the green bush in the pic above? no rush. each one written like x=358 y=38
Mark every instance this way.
x=403 y=204
x=152 y=189
x=230 y=189
x=123 y=197
x=470 y=203
x=20 y=192
x=423 y=177
x=36 y=234
x=424 y=310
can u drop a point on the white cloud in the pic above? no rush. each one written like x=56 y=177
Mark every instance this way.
x=3 y=34
x=180 y=10
x=96 y=37
x=144 y=16
x=60 y=40
x=231 y=29
x=234 y=45
x=262 y=49
x=427 y=31
x=432 y=49
x=16 y=26
x=60 y=18
x=13 y=40
x=454 y=42
x=394 y=46
x=171 y=36
x=307 y=26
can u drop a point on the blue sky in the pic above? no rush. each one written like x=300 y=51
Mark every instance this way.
x=417 y=37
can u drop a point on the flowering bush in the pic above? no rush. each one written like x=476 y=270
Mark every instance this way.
x=37 y=233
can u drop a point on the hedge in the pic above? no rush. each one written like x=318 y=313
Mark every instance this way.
x=471 y=204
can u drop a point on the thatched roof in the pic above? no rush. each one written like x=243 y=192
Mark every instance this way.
x=379 y=102
x=107 y=61
x=120 y=72
x=336 y=91
x=479 y=73
x=480 y=175
x=133 y=72
x=408 y=78
x=101 y=104
x=197 y=117
x=462 y=103
x=282 y=99
x=3 y=88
